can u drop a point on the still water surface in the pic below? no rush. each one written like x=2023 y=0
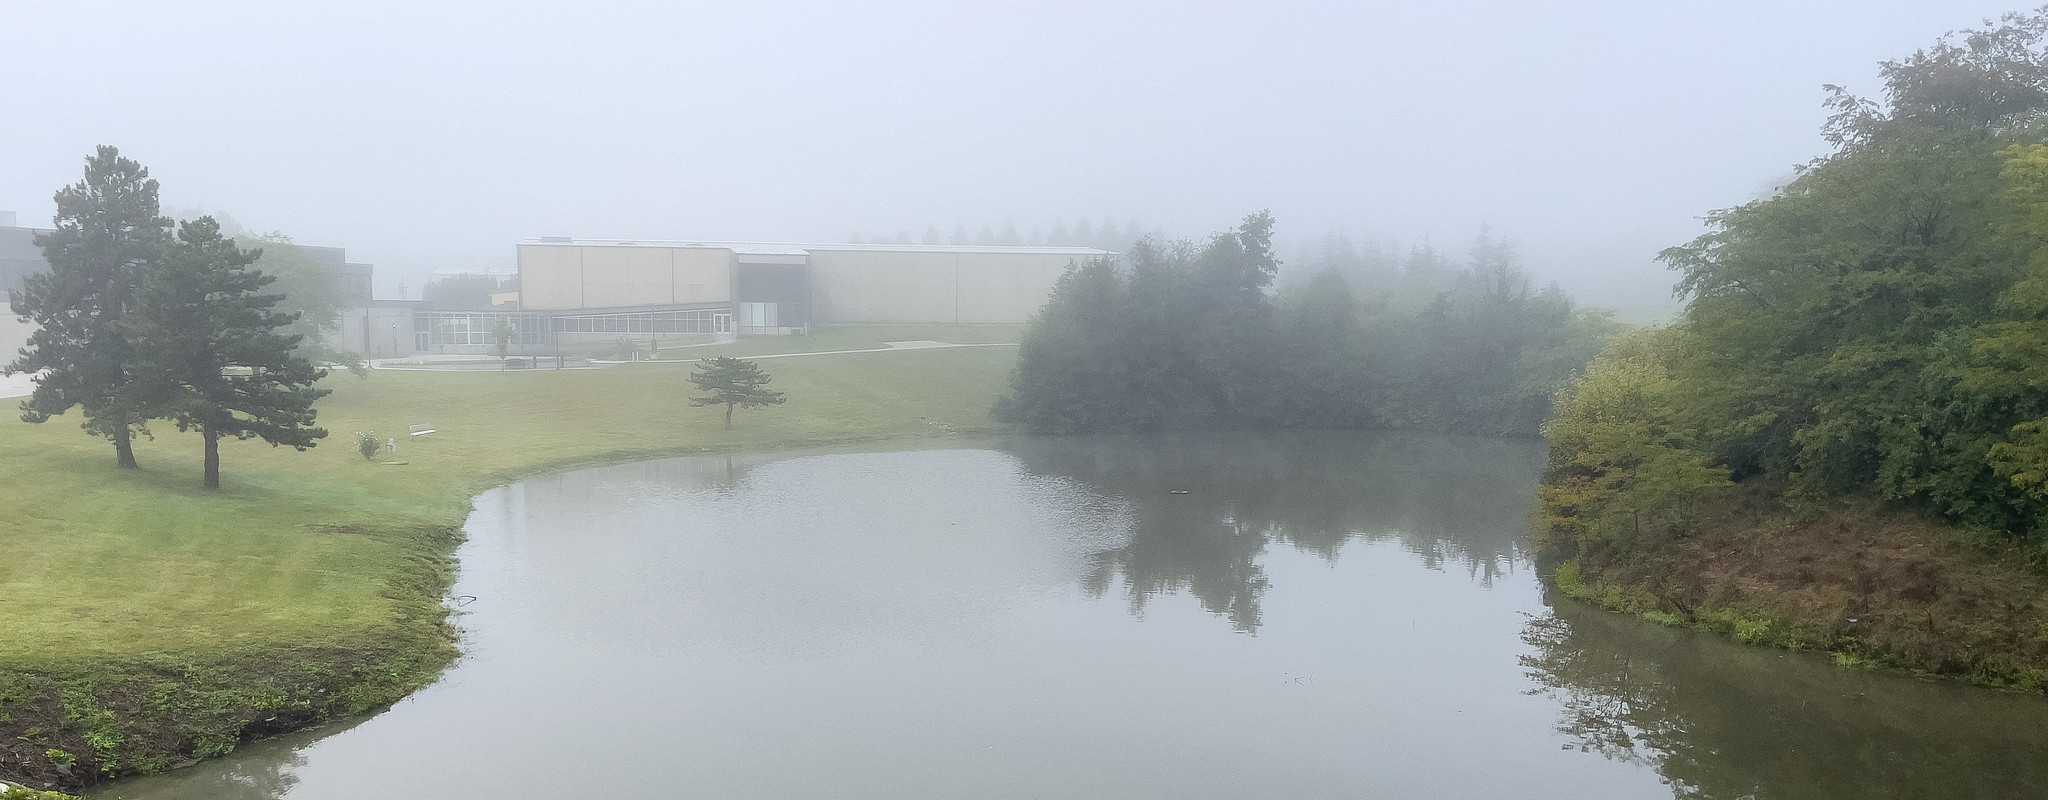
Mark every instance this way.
x=1318 y=615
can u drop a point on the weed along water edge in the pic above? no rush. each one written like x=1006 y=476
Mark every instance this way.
x=1307 y=614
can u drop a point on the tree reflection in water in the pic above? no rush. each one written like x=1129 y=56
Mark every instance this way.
x=1449 y=500
x=260 y=770
x=1722 y=720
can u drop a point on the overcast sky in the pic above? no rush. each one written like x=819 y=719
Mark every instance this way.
x=427 y=135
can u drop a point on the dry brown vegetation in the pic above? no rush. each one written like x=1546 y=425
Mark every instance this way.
x=1874 y=583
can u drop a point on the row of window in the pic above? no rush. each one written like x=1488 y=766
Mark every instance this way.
x=459 y=328
x=656 y=322
x=444 y=327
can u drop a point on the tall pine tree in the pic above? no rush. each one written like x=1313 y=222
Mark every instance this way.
x=108 y=233
x=210 y=351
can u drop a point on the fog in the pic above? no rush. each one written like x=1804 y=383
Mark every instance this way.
x=425 y=136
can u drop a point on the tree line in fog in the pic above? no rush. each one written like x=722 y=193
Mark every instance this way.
x=1107 y=235
x=1186 y=334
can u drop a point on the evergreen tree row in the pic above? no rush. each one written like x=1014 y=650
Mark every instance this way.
x=1106 y=236
x=1183 y=335
x=135 y=324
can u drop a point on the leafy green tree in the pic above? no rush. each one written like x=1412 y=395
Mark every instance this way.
x=109 y=233
x=732 y=382
x=468 y=292
x=1833 y=324
x=212 y=350
x=310 y=292
x=2011 y=357
x=501 y=337
x=1877 y=327
x=1619 y=451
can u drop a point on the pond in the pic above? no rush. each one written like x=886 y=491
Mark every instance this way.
x=1298 y=615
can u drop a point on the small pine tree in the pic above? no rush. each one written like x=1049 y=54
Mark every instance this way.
x=732 y=382
x=209 y=350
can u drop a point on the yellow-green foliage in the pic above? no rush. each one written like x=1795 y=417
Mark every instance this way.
x=2015 y=352
x=25 y=793
x=1618 y=458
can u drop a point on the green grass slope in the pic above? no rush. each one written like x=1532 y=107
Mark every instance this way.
x=147 y=620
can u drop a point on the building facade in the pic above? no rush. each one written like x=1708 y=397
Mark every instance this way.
x=20 y=257
x=591 y=295
x=594 y=288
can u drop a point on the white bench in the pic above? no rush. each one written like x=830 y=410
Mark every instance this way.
x=422 y=429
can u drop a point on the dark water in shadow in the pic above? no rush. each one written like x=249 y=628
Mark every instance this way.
x=1215 y=615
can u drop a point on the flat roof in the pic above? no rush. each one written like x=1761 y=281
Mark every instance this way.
x=798 y=248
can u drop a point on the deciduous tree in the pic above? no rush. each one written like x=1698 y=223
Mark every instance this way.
x=310 y=291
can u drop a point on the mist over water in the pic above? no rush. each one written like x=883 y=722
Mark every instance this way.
x=1318 y=615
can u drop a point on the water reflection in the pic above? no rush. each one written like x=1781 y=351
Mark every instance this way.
x=1205 y=505
x=1720 y=720
x=952 y=622
x=263 y=770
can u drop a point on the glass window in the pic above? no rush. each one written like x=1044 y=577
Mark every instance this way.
x=759 y=315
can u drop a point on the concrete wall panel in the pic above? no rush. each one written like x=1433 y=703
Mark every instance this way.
x=874 y=286
x=913 y=287
x=701 y=275
x=374 y=332
x=550 y=276
x=1007 y=287
x=627 y=276
x=555 y=277
x=846 y=285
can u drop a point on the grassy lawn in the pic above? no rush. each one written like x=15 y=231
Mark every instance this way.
x=143 y=620
x=295 y=548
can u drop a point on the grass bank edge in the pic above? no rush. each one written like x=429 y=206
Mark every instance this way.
x=106 y=717
x=73 y=720
x=1977 y=616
